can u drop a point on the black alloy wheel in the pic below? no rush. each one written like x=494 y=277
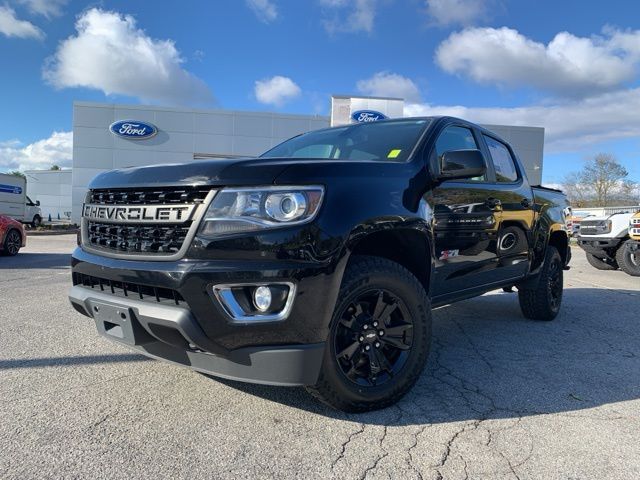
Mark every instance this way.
x=373 y=338
x=379 y=337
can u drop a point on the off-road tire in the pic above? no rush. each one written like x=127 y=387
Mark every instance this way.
x=363 y=274
x=600 y=264
x=625 y=260
x=542 y=299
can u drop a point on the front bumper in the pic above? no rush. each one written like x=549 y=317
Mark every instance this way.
x=599 y=246
x=172 y=334
x=195 y=330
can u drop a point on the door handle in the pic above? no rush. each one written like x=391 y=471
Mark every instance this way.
x=526 y=203
x=493 y=202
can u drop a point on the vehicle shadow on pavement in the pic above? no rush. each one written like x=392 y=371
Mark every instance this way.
x=36 y=260
x=42 y=362
x=488 y=361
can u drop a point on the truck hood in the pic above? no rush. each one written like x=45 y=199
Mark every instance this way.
x=248 y=171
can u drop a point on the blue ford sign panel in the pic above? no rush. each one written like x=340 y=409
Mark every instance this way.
x=133 y=129
x=10 y=189
x=368 y=116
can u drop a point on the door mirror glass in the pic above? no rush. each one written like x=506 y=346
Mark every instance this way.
x=461 y=164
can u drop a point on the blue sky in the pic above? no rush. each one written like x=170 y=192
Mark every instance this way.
x=570 y=66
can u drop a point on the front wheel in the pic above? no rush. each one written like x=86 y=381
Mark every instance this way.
x=600 y=264
x=37 y=221
x=12 y=243
x=542 y=300
x=627 y=259
x=379 y=338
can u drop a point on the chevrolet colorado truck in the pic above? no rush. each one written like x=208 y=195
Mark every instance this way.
x=605 y=240
x=319 y=262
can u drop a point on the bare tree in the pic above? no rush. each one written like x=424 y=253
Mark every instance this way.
x=576 y=191
x=604 y=175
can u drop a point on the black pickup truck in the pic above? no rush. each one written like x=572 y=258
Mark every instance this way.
x=319 y=262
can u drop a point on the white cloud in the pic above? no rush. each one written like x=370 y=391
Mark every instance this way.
x=111 y=54
x=11 y=26
x=46 y=8
x=569 y=126
x=452 y=12
x=387 y=84
x=57 y=149
x=265 y=10
x=349 y=16
x=568 y=65
x=276 y=90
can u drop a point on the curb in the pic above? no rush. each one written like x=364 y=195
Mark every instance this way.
x=44 y=233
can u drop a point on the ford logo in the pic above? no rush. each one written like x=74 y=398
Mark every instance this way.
x=133 y=129
x=10 y=189
x=362 y=116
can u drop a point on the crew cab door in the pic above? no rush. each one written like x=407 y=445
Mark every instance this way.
x=466 y=220
x=513 y=202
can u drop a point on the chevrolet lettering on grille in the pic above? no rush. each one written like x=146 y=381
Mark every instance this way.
x=138 y=214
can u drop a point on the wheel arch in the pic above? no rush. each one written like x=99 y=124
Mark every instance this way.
x=560 y=241
x=409 y=247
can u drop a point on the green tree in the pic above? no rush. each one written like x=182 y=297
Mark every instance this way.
x=55 y=167
x=17 y=173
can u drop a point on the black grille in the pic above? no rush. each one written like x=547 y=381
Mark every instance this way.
x=148 y=196
x=129 y=290
x=142 y=238
x=166 y=239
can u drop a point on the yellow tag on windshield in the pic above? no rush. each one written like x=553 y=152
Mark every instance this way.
x=394 y=153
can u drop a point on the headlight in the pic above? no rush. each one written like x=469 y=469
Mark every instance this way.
x=241 y=210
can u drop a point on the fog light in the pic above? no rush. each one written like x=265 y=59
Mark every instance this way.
x=262 y=298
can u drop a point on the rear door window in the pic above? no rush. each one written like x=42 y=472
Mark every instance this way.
x=503 y=162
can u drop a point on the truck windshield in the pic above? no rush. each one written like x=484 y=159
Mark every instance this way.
x=387 y=141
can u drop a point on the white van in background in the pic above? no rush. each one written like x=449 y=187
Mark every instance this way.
x=15 y=203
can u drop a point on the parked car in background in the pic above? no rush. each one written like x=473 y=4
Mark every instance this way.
x=12 y=236
x=605 y=239
x=15 y=203
x=634 y=243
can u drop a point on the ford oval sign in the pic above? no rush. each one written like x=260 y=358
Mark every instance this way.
x=362 y=116
x=133 y=129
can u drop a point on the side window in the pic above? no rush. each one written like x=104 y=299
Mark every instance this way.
x=456 y=138
x=502 y=161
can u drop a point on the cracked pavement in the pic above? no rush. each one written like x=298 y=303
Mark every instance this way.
x=501 y=397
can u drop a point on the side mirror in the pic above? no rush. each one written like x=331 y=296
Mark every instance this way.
x=461 y=164
x=37 y=203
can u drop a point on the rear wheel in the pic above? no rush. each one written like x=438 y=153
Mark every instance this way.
x=379 y=339
x=12 y=243
x=601 y=264
x=627 y=260
x=542 y=300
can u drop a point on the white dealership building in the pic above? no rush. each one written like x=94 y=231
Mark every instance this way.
x=185 y=135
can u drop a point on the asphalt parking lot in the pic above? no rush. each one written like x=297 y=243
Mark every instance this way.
x=502 y=397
